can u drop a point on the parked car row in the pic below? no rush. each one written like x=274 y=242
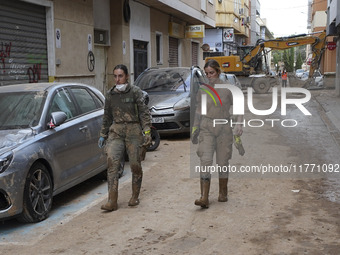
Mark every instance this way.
x=49 y=134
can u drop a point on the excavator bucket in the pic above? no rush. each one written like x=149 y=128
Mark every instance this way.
x=298 y=83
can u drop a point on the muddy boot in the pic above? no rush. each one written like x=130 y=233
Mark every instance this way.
x=204 y=201
x=136 y=185
x=111 y=204
x=223 y=190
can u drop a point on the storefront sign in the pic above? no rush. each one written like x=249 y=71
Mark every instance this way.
x=196 y=31
x=228 y=35
x=176 y=30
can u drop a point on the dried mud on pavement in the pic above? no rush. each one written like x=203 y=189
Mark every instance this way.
x=264 y=215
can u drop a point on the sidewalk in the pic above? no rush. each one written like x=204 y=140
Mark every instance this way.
x=330 y=110
x=329 y=104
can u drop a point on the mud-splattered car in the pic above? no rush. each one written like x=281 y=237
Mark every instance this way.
x=48 y=143
x=171 y=92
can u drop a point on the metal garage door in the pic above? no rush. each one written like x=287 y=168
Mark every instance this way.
x=23 y=43
x=194 y=53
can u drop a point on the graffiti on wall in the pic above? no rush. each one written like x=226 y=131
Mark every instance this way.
x=34 y=73
x=5 y=52
x=28 y=72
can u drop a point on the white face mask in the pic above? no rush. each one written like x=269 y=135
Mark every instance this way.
x=121 y=87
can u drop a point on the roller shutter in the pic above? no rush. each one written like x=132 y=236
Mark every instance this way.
x=194 y=53
x=173 y=52
x=23 y=43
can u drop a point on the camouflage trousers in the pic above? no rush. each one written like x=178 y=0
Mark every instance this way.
x=129 y=137
x=219 y=140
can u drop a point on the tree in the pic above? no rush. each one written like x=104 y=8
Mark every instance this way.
x=288 y=59
x=299 y=61
x=276 y=58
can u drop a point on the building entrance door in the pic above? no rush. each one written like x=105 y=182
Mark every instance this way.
x=140 y=57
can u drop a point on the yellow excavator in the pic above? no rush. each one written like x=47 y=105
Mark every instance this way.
x=248 y=67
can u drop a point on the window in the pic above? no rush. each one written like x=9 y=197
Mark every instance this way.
x=159 y=48
x=63 y=102
x=20 y=110
x=204 y=5
x=85 y=100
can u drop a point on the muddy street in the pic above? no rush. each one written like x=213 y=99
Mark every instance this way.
x=290 y=206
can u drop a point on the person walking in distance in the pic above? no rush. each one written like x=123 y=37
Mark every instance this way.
x=284 y=78
x=126 y=118
x=214 y=139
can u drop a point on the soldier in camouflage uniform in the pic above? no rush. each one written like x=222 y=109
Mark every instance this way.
x=126 y=118
x=218 y=139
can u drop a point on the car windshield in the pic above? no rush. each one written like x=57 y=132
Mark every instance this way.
x=161 y=80
x=20 y=110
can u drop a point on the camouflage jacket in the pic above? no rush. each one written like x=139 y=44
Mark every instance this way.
x=125 y=107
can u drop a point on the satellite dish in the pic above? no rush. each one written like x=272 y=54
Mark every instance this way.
x=205 y=47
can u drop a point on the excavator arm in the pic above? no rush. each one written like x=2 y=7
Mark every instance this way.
x=317 y=42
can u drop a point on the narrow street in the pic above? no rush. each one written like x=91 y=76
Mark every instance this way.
x=281 y=212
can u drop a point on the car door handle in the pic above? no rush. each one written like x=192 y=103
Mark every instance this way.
x=83 y=128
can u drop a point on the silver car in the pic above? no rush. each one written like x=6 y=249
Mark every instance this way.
x=48 y=144
x=171 y=90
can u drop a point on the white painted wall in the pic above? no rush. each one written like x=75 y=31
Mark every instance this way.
x=139 y=29
x=320 y=19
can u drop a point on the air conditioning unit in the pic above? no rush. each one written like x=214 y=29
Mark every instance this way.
x=241 y=11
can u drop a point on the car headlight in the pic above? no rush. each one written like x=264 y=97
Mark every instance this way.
x=5 y=161
x=182 y=104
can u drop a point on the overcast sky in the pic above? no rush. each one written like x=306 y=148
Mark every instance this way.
x=286 y=17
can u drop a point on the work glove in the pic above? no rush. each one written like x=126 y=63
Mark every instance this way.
x=238 y=145
x=194 y=134
x=147 y=139
x=101 y=142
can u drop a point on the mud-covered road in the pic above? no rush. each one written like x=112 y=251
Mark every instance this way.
x=293 y=210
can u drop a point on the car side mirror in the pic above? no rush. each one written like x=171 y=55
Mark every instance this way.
x=57 y=118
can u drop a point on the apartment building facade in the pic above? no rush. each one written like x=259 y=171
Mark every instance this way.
x=232 y=27
x=333 y=29
x=318 y=22
x=82 y=40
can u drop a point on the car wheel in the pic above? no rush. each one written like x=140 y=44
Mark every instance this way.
x=156 y=139
x=261 y=86
x=38 y=195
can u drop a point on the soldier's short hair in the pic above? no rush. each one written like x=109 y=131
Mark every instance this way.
x=122 y=67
